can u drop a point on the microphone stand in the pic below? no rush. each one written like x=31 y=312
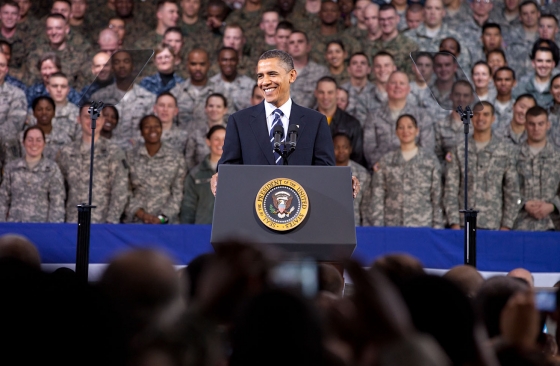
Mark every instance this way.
x=470 y=214
x=84 y=211
x=283 y=153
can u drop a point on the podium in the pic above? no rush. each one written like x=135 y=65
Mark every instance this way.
x=307 y=211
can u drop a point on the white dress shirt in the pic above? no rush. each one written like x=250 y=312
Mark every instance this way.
x=286 y=108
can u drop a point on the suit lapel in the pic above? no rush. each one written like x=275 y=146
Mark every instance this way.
x=297 y=115
x=260 y=130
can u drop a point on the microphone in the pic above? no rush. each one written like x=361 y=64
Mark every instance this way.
x=278 y=133
x=293 y=135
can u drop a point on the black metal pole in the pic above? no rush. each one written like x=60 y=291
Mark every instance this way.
x=84 y=211
x=469 y=213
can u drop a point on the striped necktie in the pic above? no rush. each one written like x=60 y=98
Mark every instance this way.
x=278 y=114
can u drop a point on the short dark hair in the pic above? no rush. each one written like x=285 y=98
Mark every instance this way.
x=161 y=3
x=10 y=3
x=338 y=42
x=59 y=74
x=549 y=16
x=525 y=96
x=216 y=95
x=451 y=39
x=327 y=79
x=145 y=118
x=505 y=68
x=213 y=129
x=56 y=16
x=173 y=30
x=301 y=32
x=50 y=56
x=343 y=134
x=226 y=49
x=386 y=7
x=360 y=54
x=528 y=2
x=482 y=63
x=536 y=111
x=463 y=83
x=381 y=54
x=5 y=43
x=554 y=79
x=166 y=94
x=286 y=60
x=285 y=25
x=35 y=127
x=488 y=104
x=410 y=116
x=114 y=109
x=415 y=8
x=486 y=26
x=43 y=97
x=545 y=45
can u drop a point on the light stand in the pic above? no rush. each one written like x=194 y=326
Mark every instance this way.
x=84 y=211
x=470 y=214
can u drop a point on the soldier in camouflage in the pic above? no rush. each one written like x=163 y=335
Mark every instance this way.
x=11 y=32
x=215 y=111
x=379 y=129
x=393 y=42
x=406 y=183
x=504 y=81
x=167 y=15
x=493 y=183
x=132 y=101
x=544 y=63
x=166 y=109
x=308 y=71
x=342 y=151
x=192 y=93
x=450 y=132
x=13 y=104
x=32 y=188
x=157 y=172
x=360 y=89
x=110 y=178
x=191 y=23
x=249 y=16
x=263 y=38
x=539 y=176
x=514 y=131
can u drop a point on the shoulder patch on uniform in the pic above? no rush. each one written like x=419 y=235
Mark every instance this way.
x=448 y=157
x=376 y=167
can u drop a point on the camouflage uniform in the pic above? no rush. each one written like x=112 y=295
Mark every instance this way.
x=527 y=85
x=539 y=179
x=54 y=141
x=198 y=201
x=258 y=43
x=32 y=195
x=517 y=34
x=380 y=132
x=355 y=33
x=423 y=98
x=302 y=90
x=136 y=103
x=400 y=47
x=75 y=64
x=304 y=20
x=319 y=44
x=175 y=138
x=341 y=78
x=497 y=15
x=13 y=109
x=503 y=117
x=493 y=185
x=448 y=134
x=196 y=146
x=110 y=180
x=196 y=29
x=554 y=132
x=39 y=89
x=148 y=41
x=505 y=132
x=156 y=181
x=459 y=18
x=425 y=43
x=134 y=29
x=154 y=84
x=247 y=66
x=238 y=92
x=19 y=49
x=246 y=19
x=191 y=101
x=364 y=178
x=407 y=193
x=358 y=100
x=65 y=121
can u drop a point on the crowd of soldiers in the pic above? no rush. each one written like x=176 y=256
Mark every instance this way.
x=388 y=76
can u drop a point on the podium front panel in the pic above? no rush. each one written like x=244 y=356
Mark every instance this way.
x=328 y=231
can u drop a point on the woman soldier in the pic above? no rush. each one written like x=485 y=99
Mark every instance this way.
x=406 y=184
x=198 y=201
x=157 y=172
x=32 y=188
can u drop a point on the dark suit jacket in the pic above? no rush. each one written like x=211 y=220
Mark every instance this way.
x=248 y=142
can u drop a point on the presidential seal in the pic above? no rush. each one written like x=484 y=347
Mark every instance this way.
x=281 y=204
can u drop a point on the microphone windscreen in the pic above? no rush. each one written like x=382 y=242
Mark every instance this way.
x=278 y=129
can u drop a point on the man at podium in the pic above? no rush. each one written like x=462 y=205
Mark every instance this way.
x=250 y=132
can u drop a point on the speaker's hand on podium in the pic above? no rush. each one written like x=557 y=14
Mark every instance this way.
x=355 y=186
x=214 y=183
